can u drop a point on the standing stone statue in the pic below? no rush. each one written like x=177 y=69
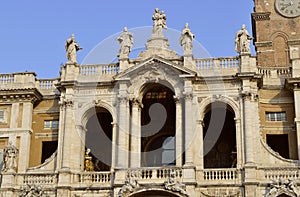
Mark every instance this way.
x=71 y=48
x=242 y=41
x=186 y=40
x=126 y=43
x=159 y=19
x=9 y=157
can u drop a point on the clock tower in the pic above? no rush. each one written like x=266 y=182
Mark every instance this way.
x=276 y=32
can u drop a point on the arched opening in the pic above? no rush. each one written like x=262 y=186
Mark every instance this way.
x=219 y=134
x=283 y=195
x=280 y=51
x=99 y=139
x=154 y=193
x=158 y=120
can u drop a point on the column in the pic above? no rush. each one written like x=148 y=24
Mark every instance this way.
x=67 y=136
x=199 y=146
x=114 y=147
x=24 y=151
x=135 y=147
x=239 y=138
x=188 y=129
x=60 y=135
x=123 y=133
x=179 y=133
x=297 y=115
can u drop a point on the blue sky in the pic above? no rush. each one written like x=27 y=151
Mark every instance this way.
x=33 y=32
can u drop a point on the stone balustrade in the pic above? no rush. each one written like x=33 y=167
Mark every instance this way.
x=280 y=173
x=39 y=179
x=95 y=177
x=275 y=72
x=220 y=174
x=17 y=80
x=90 y=70
x=217 y=63
x=6 y=78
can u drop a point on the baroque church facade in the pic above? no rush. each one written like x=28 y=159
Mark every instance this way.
x=161 y=124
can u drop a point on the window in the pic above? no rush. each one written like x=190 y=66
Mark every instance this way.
x=276 y=116
x=168 y=151
x=156 y=95
x=3 y=116
x=48 y=148
x=51 y=124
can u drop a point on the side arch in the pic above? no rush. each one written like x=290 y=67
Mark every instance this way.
x=227 y=100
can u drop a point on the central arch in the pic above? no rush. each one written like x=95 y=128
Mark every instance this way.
x=158 y=122
x=154 y=193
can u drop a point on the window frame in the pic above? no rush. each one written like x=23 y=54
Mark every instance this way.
x=276 y=116
x=50 y=124
x=4 y=118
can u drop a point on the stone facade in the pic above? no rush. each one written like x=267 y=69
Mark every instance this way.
x=160 y=124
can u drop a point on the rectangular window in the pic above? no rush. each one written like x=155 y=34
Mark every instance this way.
x=276 y=116
x=3 y=116
x=51 y=124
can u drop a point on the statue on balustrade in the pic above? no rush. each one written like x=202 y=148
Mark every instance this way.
x=88 y=164
x=159 y=18
x=173 y=185
x=242 y=41
x=126 y=43
x=186 y=40
x=71 y=48
x=9 y=157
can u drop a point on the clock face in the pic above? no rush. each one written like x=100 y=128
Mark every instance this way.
x=288 y=8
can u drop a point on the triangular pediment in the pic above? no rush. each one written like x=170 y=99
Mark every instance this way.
x=155 y=65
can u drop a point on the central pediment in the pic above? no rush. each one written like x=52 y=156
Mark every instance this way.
x=154 y=67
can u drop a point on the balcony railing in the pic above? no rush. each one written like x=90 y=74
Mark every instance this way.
x=220 y=174
x=217 y=63
x=281 y=173
x=275 y=72
x=95 y=177
x=6 y=78
x=89 y=70
x=39 y=179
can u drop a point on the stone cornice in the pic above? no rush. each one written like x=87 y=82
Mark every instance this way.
x=293 y=42
x=264 y=44
x=20 y=95
x=261 y=16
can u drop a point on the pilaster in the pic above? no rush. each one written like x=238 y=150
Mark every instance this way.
x=123 y=127
x=179 y=134
x=135 y=146
x=188 y=101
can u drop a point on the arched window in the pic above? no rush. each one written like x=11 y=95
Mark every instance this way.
x=168 y=151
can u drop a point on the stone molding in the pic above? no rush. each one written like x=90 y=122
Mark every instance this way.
x=261 y=16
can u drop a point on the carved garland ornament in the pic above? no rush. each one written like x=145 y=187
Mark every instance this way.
x=279 y=187
x=228 y=192
x=32 y=191
x=175 y=186
x=131 y=184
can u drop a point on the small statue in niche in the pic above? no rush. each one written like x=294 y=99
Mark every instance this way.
x=88 y=164
x=242 y=41
x=186 y=40
x=71 y=48
x=126 y=43
x=9 y=157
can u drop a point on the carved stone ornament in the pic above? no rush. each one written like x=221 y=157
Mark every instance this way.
x=131 y=184
x=159 y=22
x=261 y=16
x=9 y=158
x=32 y=191
x=279 y=187
x=226 y=192
x=175 y=186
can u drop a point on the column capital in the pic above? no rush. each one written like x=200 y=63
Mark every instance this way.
x=188 y=96
x=136 y=102
x=123 y=99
